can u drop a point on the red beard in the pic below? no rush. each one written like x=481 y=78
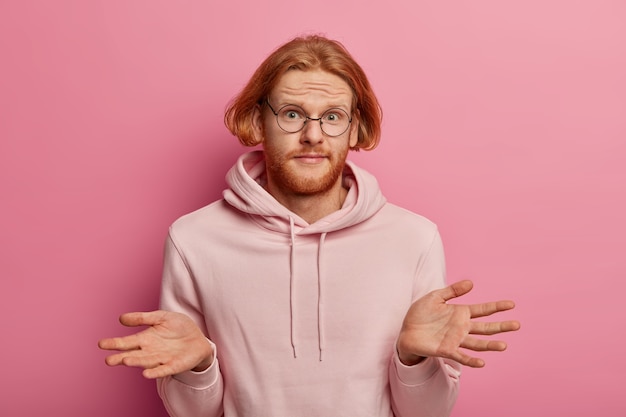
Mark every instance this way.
x=287 y=178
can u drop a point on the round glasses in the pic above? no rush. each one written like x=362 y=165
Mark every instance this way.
x=292 y=119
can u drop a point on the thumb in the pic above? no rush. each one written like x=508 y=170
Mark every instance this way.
x=456 y=289
x=142 y=318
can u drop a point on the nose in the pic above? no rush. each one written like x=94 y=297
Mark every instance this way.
x=312 y=132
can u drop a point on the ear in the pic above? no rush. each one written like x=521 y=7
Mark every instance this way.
x=354 y=132
x=258 y=128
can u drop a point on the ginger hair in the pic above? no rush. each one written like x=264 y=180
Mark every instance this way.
x=307 y=53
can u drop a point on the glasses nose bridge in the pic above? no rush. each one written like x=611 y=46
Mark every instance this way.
x=314 y=119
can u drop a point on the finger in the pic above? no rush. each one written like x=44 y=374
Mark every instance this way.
x=149 y=318
x=155 y=365
x=106 y=344
x=487 y=329
x=136 y=359
x=160 y=371
x=487 y=309
x=467 y=360
x=130 y=358
x=456 y=290
x=116 y=359
x=142 y=360
x=482 y=345
x=120 y=343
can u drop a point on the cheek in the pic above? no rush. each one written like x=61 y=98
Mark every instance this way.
x=265 y=127
x=274 y=148
x=271 y=132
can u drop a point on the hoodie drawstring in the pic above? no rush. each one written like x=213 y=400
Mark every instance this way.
x=320 y=298
x=320 y=301
x=291 y=283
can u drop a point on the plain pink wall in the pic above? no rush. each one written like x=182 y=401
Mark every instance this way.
x=504 y=122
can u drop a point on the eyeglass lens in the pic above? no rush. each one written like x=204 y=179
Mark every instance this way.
x=292 y=119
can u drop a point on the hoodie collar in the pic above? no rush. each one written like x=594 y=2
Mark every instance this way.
x=246 y=193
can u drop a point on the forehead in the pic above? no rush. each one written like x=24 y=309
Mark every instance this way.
x=301 y=86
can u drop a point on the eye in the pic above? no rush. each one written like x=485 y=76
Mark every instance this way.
x=335 y=116
x=291 y=113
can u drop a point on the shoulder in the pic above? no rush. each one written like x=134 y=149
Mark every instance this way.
x=402 y=226
x=406 y=218
x=216 y=215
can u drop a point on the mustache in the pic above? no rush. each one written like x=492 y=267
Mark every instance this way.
x=309 y=152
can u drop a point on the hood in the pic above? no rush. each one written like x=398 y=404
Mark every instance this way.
x=246 y=193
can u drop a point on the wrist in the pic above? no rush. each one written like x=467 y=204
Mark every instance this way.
x=207 y=360
x=204 y=365
x=409 y=359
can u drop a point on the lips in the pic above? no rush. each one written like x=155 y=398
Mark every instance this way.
x=311 y=158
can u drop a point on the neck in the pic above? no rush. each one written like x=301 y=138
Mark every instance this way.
x=314 y=206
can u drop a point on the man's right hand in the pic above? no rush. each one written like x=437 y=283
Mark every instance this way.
x=171 y=344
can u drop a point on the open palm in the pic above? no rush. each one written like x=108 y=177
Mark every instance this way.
x=171 y=344
x=434 y=328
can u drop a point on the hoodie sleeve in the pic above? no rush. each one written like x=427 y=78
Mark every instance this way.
x=189 y=394
x=429 y=388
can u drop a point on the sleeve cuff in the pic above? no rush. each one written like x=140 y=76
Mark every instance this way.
x=423 y=371
x=203 y=379
x=416 y=374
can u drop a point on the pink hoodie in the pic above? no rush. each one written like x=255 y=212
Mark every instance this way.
x=304 y=317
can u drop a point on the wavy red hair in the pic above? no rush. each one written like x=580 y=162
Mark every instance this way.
x=307 y=53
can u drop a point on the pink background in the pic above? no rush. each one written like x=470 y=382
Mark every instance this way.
x=505 y=123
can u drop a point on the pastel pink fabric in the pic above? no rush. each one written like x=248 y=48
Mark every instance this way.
x=304 y=317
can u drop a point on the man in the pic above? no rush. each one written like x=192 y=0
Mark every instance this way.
x=303 y=292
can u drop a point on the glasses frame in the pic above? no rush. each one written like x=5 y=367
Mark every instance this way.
x=307 y=118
